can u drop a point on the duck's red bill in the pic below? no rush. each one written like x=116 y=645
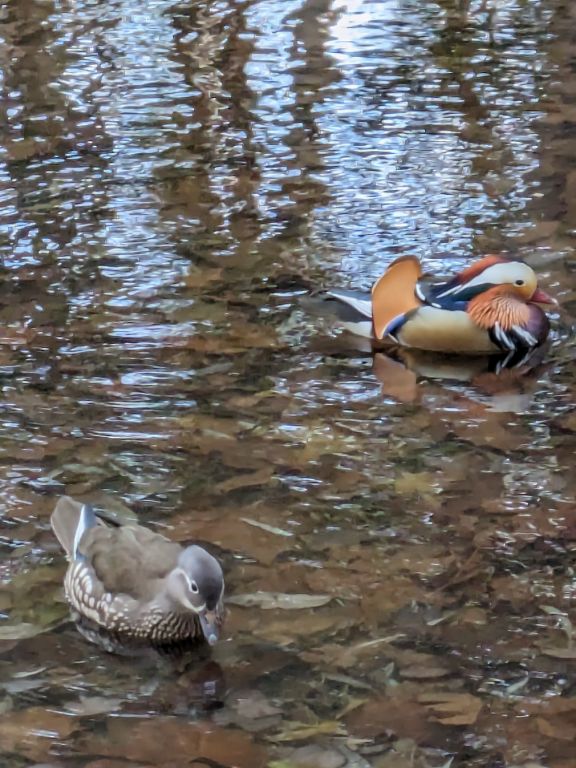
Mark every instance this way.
x=541 y=297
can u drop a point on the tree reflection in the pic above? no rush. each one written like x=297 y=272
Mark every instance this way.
x=214 y=189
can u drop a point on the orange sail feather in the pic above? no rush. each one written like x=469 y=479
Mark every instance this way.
x=393 y=294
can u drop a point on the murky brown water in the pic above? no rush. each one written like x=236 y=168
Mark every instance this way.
x=172 y=177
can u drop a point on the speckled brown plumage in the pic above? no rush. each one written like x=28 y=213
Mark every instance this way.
x=132 y=560
x=136 y=583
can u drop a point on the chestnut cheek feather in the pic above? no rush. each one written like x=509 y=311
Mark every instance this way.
x=493 y=308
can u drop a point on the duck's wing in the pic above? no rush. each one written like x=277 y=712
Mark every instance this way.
x=127 y=559
x=394 y=294
x=428 y=290
x=130 y=559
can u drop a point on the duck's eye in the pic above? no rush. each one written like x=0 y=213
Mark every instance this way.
x=519 y=282
x=194 y=587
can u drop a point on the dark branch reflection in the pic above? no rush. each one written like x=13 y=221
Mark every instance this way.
x=215 y=188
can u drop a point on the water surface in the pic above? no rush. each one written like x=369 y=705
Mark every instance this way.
x=173 y=178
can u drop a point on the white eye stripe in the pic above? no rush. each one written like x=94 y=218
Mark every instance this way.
x=503 y=273
x=497 y=274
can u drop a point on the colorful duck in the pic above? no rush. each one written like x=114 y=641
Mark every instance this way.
x=489 y=308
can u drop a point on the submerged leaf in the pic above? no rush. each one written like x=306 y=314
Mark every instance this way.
x=416 y=484
x=20 y=631
x=176 y=741
x=423 y=672
x=32 y=732
x=300 y=731
x=93 y=705
x=268 y=528
x=271 y=600
x=348 y=656
x=285 y=630
x=254 y=705
x=559 y=653
x=312 y=756
x=230 y=532
x=247 y=480
x=452 y=708
x=561 y=729
x=397 y=712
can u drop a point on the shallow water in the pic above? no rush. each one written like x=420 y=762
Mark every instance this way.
x=173 y=178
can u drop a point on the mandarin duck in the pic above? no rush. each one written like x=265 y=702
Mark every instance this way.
x=489 y=308
x=136 y=584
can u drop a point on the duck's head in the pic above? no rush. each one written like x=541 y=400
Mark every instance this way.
x=197 y=585
x=514 y=277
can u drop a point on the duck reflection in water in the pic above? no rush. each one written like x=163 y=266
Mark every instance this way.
x=503 y=383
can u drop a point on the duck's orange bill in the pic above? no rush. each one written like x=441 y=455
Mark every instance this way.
x=393 y=293
x=541 y=297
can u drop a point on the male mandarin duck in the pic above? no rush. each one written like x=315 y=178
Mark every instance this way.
x=489 y=308
x=135 y=583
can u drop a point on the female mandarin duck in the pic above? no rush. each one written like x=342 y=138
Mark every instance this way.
x=489 y=308
x=135 y=583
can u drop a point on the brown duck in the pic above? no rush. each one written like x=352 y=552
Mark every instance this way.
x=135 y=583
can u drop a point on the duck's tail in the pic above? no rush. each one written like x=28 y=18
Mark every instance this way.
x=351 y=309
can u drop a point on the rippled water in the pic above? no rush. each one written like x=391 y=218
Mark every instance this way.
x=173 y=178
